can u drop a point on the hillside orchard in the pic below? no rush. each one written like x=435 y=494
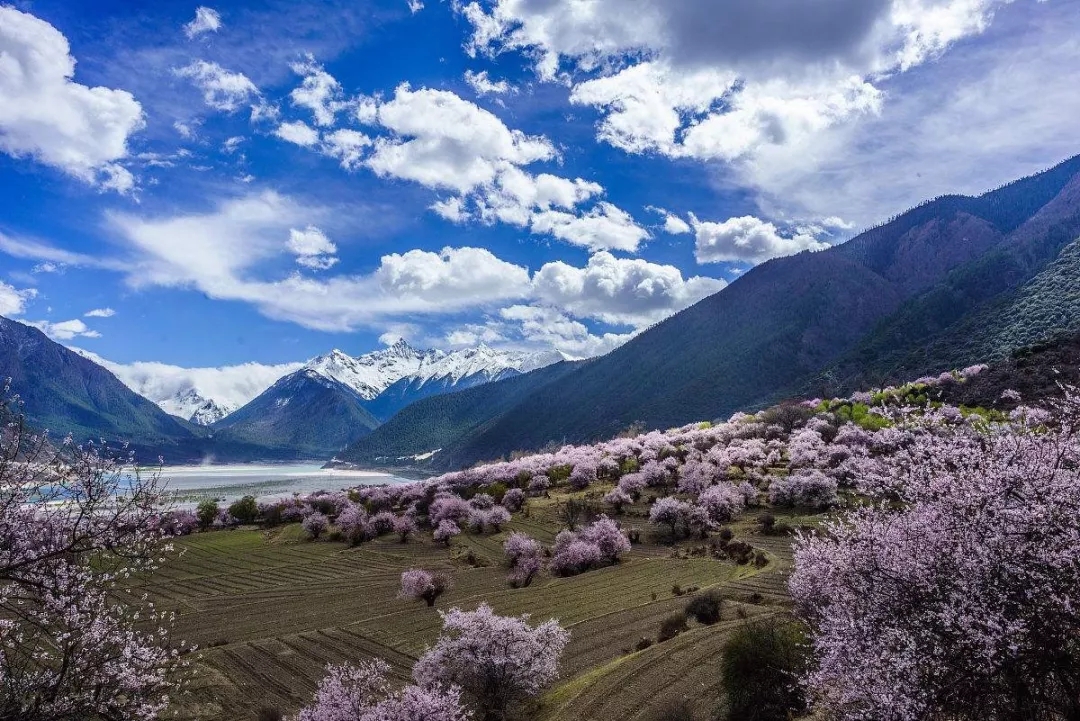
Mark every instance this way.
x=936 y=565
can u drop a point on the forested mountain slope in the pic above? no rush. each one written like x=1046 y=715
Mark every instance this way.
x=303 y=415
x=444 y=423
x=813 y=323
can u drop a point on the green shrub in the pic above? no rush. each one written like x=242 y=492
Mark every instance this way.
x=206 y=513
x=706 y=607
x=759 y=667
x=246 y=510
x=560 y=474
x=672 y=626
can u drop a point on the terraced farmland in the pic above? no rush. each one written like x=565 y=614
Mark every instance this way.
x=269 y=610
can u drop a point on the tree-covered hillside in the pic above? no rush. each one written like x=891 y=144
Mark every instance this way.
x=446 y=422
x=817 y=323
x=68 y=394
x=303 y=415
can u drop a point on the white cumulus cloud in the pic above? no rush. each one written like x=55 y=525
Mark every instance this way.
x=618 y=291
x=319 y=92
x=299 y=133
x=64 y=330
x=723 y=79
x=483 y=85
x=100 y=313
x=222 y=89
x=441 y=141
x=312 y=248
x=12 y=300
x=229 y=386
x=47 y=116
x=747 y=240
x=550 y=327
x=603 y=227
x=222 y=252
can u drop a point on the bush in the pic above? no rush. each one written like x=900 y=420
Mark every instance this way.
x=672 y=626
x=246 y=510
x=759 y=666
x=706 y=607
x=497 y=491
x=643 y=644
x=768 y=522
x=674 y=711
x=207 y=512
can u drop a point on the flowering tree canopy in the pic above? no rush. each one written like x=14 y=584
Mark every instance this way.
x=962 y=600
x=423 y=585
x=607 y=536
x=315 y=524
x=362 y=693
x=672 y=512
x=497 y=660
x=445 y=531
x=72 y=522
x=355 y=523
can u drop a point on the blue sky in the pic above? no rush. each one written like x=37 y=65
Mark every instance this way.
x=260 y=182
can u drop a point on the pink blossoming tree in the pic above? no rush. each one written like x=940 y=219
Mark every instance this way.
x=363 y=693
x=496 y=660
x=418 y=584
x=958 y=595
x=73 y=522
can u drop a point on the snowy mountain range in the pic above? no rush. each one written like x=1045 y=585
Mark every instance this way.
x=206 y=396
x=336 y=399
x=373 y=373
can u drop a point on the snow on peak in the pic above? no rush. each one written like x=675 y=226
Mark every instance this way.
x=372 y=373
x=484 y=361
x=191 y=405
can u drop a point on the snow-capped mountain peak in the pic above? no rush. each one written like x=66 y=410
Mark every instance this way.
x=193 y=406
x=207 y=395
x=372 y=373
x=484 y=361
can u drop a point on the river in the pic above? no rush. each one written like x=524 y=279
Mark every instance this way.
x=225 y=483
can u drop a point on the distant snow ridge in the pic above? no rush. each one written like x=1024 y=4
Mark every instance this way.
x=193 y=406
x=372 y=373
x=207 y=395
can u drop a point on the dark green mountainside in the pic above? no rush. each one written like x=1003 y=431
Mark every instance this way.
x=973 y=278
x=65 y=393
x=449 y=421
x=303 y=415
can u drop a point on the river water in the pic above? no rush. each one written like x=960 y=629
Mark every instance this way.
x=189 y=485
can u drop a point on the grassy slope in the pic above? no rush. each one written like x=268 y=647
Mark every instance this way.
x=277 y=609
x=302 y=414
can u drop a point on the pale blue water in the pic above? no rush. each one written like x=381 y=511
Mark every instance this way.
x=226 y=483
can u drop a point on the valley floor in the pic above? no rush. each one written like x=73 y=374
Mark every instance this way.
x=269 y=610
